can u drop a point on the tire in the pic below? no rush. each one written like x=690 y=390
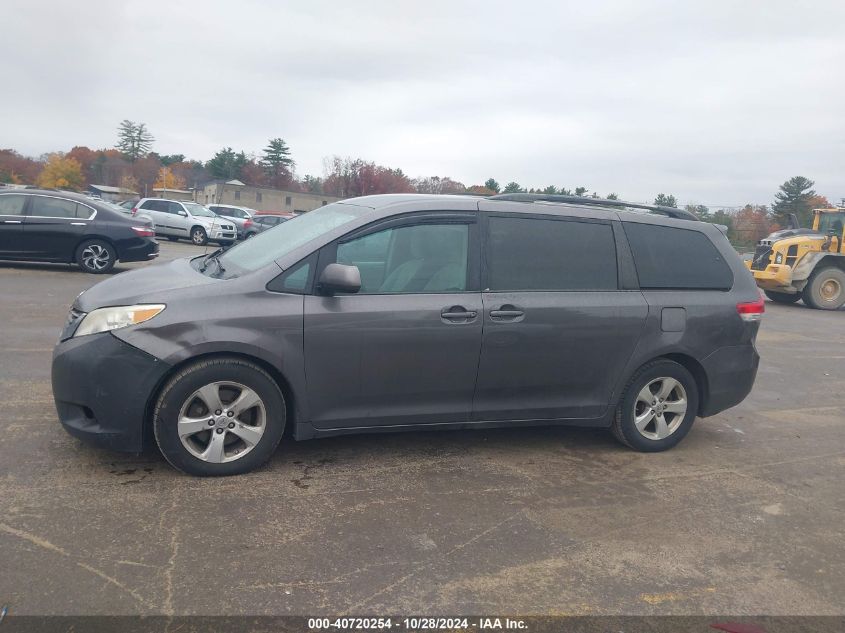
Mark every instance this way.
x=232 y=444
x=249 y=235
x=199 y=236
x=96 y=256
x=656 y=375
x=826 y=289
x=782 y=297
x=173 y=238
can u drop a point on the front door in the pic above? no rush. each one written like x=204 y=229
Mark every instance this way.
x=53 y=227
x=403 y=350
x=557 y=330
x=11 y=224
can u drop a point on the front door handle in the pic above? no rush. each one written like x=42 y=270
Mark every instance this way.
x=10 y=221
x=507 y=312
x=458 y=314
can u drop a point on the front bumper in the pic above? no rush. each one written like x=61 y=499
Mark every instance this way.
x=101 y=386
x=774 y=277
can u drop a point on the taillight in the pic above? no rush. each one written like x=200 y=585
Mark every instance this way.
x=134 y=210
x=751 y=310
x=143 y=231
x=247 y=224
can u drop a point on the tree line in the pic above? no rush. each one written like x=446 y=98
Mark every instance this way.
x=133 y=165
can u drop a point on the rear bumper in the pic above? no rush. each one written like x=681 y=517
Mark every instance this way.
x=101 y=386
x=731 y=372
x=140 y=250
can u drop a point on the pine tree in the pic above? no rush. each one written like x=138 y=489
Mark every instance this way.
x=795 y=196
x=491 y=184
x=662 y=200
x=277 y=163
x=134 y=139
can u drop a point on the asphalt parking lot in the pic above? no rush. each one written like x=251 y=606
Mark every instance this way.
x=746 y=516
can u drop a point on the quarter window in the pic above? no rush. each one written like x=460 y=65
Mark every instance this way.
x=549 y=254
x=12 y=205
x=667 y=257
x=426 y=258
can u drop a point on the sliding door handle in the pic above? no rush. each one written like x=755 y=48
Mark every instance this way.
x=506 y=314
x=458 y=314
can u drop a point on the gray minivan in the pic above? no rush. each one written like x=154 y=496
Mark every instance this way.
x=400 y=312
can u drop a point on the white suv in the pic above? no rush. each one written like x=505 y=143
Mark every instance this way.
x=241 y=217
x=179 y=218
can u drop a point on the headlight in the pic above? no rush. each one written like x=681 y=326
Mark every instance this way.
x=105 y=319
x=779 y=258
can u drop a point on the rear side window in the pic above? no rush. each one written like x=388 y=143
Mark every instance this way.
x=540 y=254
x=45 y=207
x=668 y=257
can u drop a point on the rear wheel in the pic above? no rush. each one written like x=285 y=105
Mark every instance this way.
x=782 y=297
x=826 y=289
x=223 y=416
x=96 y=256
x=658 y=407
x=199 y=236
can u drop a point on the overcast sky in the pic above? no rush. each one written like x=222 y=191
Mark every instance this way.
x=715 y=102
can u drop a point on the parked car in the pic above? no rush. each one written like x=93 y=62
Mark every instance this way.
x=261 y=223
x=121 y=208
x=178 y=218
x=399 y=312
x=129 y=204
x=241 y=217
x=58 y=226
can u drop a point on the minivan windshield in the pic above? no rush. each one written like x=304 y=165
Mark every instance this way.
x=199 y=210
x=259 y=251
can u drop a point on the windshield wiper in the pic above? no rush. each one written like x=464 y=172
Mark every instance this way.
x=213 y=257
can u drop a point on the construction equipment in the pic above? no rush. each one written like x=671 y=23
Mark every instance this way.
x=807 y=264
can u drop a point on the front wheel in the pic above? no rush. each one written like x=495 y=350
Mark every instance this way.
x=826 y=290
x=223 y=416
x=96 y=256
x=658 y=407
x=782 y=297
x=199 y=236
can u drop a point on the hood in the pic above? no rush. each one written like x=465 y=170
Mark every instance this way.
x=785 y=233
x=151 y=284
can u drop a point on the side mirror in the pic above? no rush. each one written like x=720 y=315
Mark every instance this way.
x=183 y=213
x=339 y=278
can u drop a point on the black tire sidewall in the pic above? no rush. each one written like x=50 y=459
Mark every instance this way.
x=625 y=415
x=109 y=248
x=782 y=297
x=198 y=229
x=184 y=383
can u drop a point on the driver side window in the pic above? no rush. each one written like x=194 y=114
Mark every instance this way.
x=421 y=259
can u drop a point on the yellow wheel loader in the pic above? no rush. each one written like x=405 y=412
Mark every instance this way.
x=806 y=264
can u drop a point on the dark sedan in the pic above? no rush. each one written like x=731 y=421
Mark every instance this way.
x=58 y=226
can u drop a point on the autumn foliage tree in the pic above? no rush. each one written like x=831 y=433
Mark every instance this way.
x=751 y=224
x=167 y=179
x=18 y=169
x=348 y=178
x=61 y=172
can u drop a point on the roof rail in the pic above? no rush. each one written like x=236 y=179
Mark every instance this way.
x=680 y=214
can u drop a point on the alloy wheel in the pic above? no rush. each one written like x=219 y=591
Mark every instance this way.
x=221 y=422
x=95 y=257
x=198 y=237
x=660 y=408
